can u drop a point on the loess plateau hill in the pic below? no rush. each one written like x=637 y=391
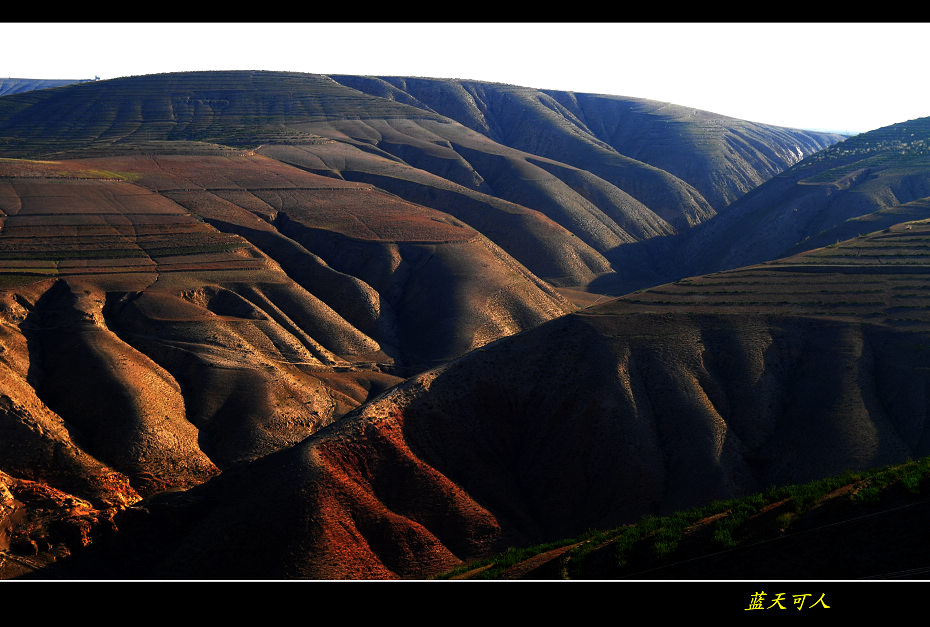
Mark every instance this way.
x=345 y=323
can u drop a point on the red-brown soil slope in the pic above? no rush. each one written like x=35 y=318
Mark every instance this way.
x=424 y=285
x=350 y=245
x=590 y=420
x=39 y=524
x=167 y=317
x=210 y=279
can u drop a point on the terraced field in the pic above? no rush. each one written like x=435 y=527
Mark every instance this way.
x=234 y=108
x=131 y=221
x=880 y=277
x=60 y=220
x=865 y=184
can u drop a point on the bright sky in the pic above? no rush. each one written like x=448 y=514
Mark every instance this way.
x=847 y=77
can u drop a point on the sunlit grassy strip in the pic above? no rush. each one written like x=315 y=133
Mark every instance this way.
x=70 y=254
x=19 y=278
x=777 y=300
x=665 y=533
x=772 y=289
x=245 y=272
x=871 y=244
x=171 y=251
x=865 y=260
x=86 y=174
x=103 y=234
x=779 y=278
x=98 y=253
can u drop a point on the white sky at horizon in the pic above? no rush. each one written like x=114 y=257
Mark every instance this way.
x=845 y=77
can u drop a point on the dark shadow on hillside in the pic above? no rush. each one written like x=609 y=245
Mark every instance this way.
x=641 y=265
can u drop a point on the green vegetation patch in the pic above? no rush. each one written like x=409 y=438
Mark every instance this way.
x=62 y=254
x=129 y=177
x=10 y=280
x=658 y=540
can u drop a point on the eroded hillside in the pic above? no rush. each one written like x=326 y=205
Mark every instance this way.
x=211 y=282
x=151 y=336
x=871 y=181
x=560 y=181
x=630 y=142
x=647 y=404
